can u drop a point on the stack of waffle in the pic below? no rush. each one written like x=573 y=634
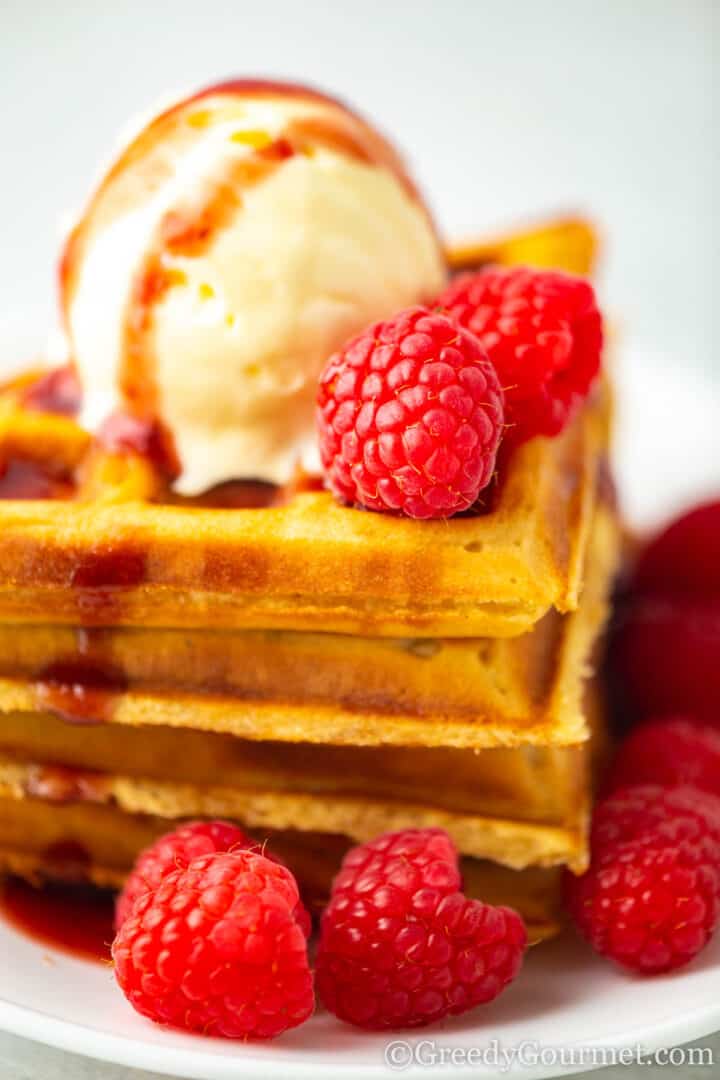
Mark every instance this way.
x=317 y=673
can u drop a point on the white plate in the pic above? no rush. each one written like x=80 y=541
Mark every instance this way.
x=669 y=453
x=564 y=998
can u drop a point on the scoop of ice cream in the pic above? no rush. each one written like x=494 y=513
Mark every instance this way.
x=232 y=246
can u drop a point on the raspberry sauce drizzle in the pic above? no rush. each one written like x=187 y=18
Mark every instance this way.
x=64 y=784
x=24 y=479
x=58 y=392
x=79 y=690
x=77 y=919
x=99 y=579
x=148 y=438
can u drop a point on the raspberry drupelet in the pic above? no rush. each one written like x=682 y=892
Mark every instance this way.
x=401 y=946
x=410 y=416
x=543 y=332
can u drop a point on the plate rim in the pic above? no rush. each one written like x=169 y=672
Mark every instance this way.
x=190 y=1064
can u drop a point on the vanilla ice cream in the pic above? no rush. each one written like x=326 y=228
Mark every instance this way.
x=236 y=242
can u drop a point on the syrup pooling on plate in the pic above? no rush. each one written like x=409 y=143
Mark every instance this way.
x=78 y=919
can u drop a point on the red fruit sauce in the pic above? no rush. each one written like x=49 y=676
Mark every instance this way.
x=78 y=919
x=80 y=691
x=22 y=479
x=58 y=392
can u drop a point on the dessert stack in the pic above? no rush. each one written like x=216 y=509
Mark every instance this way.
x=192 y=625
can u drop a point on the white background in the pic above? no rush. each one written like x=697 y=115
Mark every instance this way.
x=507 y=111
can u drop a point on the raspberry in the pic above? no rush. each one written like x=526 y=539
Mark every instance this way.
x=543 y=332
x=666 y=657
x=400 y=946
x=409 y=417
x=215 y=948
x=683 y=559
x=174 y=851
x=648 y=908
x=651 y=898
x=669 y=751
x=649 y=814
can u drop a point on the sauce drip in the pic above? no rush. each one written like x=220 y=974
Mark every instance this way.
x=109 y=568
x=56 y=392
x=78 y=919
x=100 y=575
x=67 y=859
x=124 y=433
x=233 y=495
x=24 y=479
x=62 y=784
x=607 y=489
x=79 y=690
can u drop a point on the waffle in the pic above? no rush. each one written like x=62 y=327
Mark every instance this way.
x=534 y=784
x=567 y=244
x=111 y=554
x=98 y=843
x=291 y=790
x=323 y=688
x=521 y=807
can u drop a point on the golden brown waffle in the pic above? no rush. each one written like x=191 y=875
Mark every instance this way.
x=110 y=555
x=546 y=785
x=98 y=843
x=515 y=844
x=298 y=794
x=323 y=688
x=519 y=807
x=566 y=244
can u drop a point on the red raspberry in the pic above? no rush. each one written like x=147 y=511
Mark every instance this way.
x=669 y=751
x=543 y=332
x=216 y=948
x=650 y=814
x=666 y=657
x=400 y=946
x=651 y=898
x=683 y=559
x=410 y=415
x=648 y=908
x=175 y=850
